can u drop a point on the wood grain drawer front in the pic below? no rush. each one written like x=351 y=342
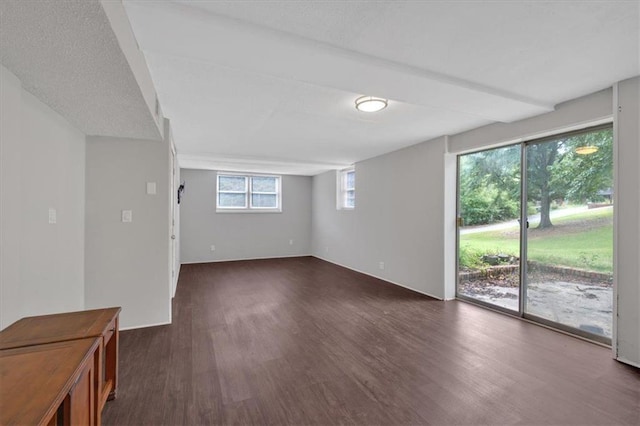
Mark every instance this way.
x=82 y=398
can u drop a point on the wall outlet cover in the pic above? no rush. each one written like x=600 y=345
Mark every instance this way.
x=127 y=216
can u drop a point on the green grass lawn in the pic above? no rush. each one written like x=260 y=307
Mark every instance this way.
x=583 y=240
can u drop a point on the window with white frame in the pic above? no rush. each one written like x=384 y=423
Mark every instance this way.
x=347 y=189
x=242 y=192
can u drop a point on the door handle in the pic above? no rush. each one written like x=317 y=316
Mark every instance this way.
x=173 y=237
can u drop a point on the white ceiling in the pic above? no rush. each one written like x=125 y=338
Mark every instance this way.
x=67 y=54
x=270 y=86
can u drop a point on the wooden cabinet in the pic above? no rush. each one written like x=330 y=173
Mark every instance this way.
x=102 y=324
x=50 y=384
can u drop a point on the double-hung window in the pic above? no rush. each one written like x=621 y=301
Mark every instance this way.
x=347 y=189
x=244 y=193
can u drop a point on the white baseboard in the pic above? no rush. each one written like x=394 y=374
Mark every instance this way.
x=144 y=326
x=380 y=278
x=175 y=282
x=247 y=258
x=626 y=361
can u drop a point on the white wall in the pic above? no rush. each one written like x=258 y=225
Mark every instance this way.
x=176 y=228
x=627 y=246
x=41 y=167
x=127 y=264
x=242 y=235
x=398 y=218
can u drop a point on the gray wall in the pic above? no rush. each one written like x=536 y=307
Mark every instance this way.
x=577 y=112
x=398 y=218
x=128 y=264
x=242 y=235
x=627 y=246
x=41 y=167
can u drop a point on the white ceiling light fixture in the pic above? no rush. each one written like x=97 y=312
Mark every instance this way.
x=370 y=104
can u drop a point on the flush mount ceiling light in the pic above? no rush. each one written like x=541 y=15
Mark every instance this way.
x=586 y=150
x=370 y=104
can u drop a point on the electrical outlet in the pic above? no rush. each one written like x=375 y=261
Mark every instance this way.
x=127 y=216
x=213 y=248
x=290 y=242
x=381 y=265
x=326 y=249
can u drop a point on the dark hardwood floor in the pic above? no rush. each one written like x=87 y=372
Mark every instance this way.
x=301 y=341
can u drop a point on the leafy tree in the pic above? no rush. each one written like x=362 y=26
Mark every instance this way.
x=490 y=180
x=490 y=185
x=581 y=177
x=556 y=171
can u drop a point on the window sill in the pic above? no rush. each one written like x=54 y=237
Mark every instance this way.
x=249 y=211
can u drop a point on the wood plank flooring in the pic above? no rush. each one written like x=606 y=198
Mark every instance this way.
x=301 y=341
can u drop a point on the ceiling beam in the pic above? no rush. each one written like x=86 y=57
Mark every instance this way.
x=228 y=42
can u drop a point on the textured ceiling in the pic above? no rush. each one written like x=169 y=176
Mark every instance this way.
x=271 y=85
x=65 y=53
x=551 y=51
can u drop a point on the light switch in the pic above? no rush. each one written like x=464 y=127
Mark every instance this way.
x=127 y=216
x=151 y=188
x=53 y=216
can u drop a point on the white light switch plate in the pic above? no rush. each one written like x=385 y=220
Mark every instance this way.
x=53 y=215
x=151 y=188
x=127 y=216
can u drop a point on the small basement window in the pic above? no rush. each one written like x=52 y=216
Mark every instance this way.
x=248 y=193
x=347 y=189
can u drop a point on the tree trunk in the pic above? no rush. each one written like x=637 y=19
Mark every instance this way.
x=550 y=152
x=545 y=208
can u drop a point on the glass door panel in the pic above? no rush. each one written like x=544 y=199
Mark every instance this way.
x=569 y=242
x=488 y=227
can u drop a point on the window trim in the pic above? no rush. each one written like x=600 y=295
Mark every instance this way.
x=248 y=199
x=245 y=192
x=342 y=189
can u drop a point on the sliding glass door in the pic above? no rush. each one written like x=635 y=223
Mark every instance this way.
x=488 y=227
x=569 y=243
x=535 y=230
